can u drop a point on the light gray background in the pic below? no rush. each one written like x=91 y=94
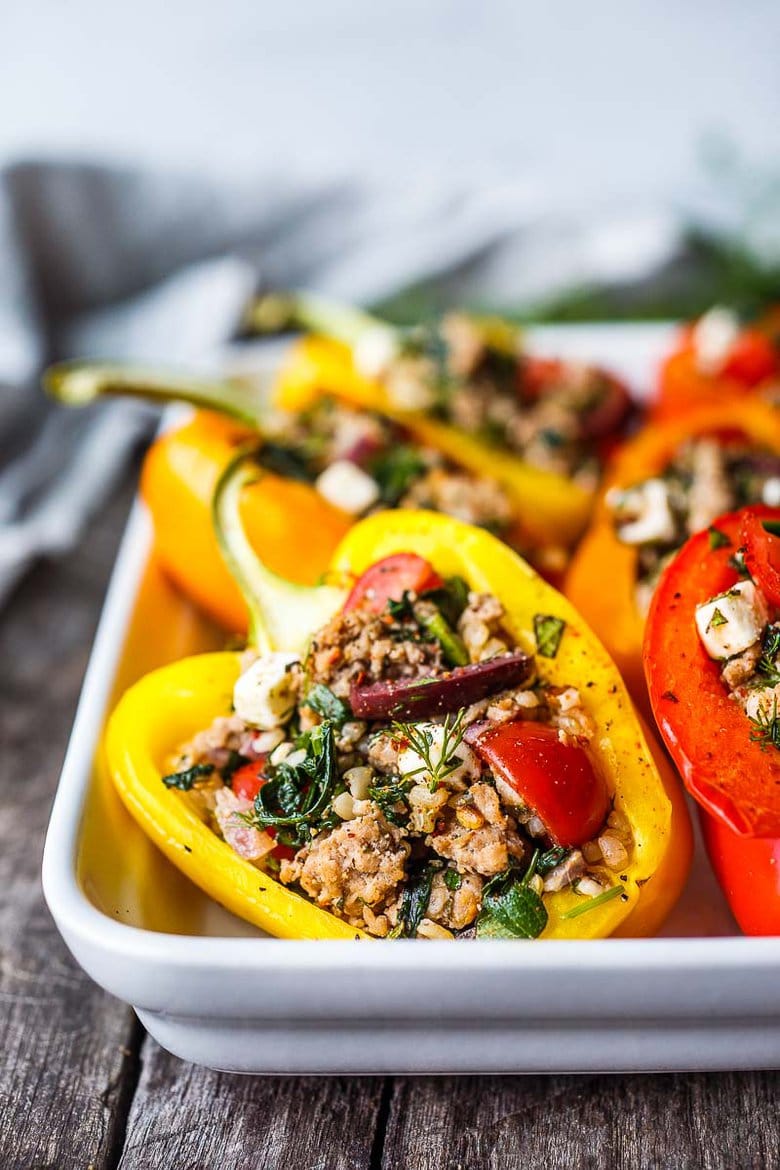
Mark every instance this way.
x=595 y=98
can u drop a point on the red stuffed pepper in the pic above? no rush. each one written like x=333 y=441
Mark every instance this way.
x=717 y=358
x=712 y=663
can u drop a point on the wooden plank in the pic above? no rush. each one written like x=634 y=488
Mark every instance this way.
x=67 y=1048
x=187 y=1116
x=710 y=1121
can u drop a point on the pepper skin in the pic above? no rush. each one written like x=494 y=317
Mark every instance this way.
x=551 y=510
x=708 y=735
x=171 y=704
x=682 y=385
x=748 y=871
x=602 y=576
x=294 y=526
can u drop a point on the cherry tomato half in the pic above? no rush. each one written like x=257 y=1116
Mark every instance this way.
x=762 y=554
x=248 y=780
x=751 y=359
x=389 y=579
x=537 y=375
x=559 y=781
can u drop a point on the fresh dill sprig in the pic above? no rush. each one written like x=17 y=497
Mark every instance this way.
x=766 y=728
x=439 y=764
x=767 y=672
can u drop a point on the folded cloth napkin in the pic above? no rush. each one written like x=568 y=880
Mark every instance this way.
x=114 y=262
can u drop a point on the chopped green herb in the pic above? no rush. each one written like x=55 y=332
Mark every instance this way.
x=285 y=461
x=548 y=631
x=510 y=908
x=767 y=670
x=452 y=879
x=428 y=342
x=414 y=901
x=770 y=646
x=717 y=619
x=718 y=539
x=402 y=608
x=391 y=799
x=296 y=796
x=551 y=858
x=766 y=728
x=322 y=700
x=737 y=562
x=235 y=761
x=592 y=903
x=434 y=623
x=452 y=598
x=186 y=779
x=395 y=470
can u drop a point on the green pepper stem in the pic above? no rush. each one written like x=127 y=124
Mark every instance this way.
x=282 y=614
x=81 y=382
x=317 y=314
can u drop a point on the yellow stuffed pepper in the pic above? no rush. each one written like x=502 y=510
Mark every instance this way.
x=329 y=463
x=467 y=386
x=430 y=744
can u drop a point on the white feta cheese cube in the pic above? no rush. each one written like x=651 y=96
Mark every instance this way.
x=411 y=763
x=375 y=350
x=346 y=486
x=654 y=520
x=771 y=492
x=264 y=696
x=732 y=621
x=713 y=336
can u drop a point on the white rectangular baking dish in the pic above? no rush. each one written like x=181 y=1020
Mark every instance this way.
x=213 y=990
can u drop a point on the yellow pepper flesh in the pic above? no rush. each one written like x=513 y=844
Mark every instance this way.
x=170 y=705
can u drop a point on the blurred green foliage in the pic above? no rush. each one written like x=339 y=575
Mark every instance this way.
x=708 y=270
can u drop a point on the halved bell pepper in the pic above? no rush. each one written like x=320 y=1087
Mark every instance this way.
x=183 y=466
x=181 y=471
x=748 y=360
x=602 y=577
x=171 y=704
x=179 y=475
x=552 y=509
x=748 y=871
x=733 y=775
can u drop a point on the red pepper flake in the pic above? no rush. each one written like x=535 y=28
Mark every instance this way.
x=670 y=695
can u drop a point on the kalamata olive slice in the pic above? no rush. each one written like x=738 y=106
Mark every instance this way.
x=423 y=698
x=608 y=412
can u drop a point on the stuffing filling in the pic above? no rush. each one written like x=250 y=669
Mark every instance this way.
x=741 y=631
x=362 y=462
x=474 y=374
x=374 y=777
x=706 y=478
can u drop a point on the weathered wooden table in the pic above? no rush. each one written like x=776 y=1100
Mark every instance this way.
x=82 y=1086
